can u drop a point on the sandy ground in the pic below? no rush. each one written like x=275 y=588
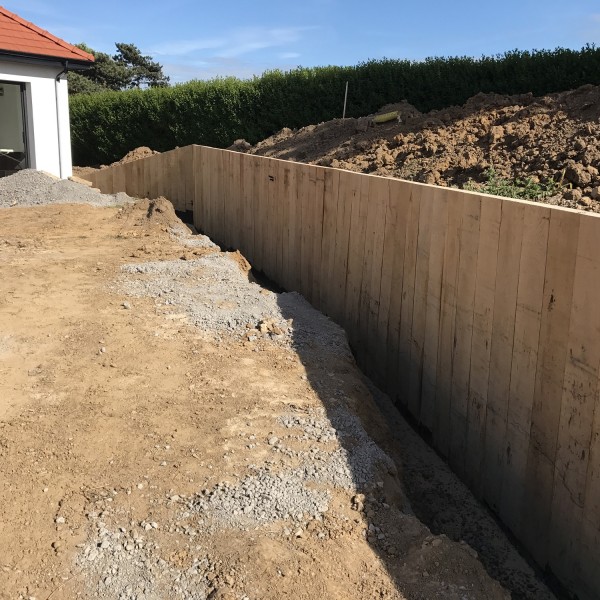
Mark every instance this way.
x=116 y=413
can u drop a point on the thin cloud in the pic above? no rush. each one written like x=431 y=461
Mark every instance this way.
x=289 y=55
x=237 y=43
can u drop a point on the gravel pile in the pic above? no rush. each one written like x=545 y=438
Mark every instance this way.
x=218 y=297
x=34 y=188
x=212 y=291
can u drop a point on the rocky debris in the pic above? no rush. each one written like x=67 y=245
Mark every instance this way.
x=546 y=139
x=34 y=188
x=265 y=497
x=127 y=564
x=287 y=494
x=216 y=296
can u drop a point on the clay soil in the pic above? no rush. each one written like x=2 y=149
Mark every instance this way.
x=545 y=139
x=113 y=413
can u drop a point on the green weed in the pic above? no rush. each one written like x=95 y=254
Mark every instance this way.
x=523 y=189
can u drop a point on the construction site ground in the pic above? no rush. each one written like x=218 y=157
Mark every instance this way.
x=151 y=448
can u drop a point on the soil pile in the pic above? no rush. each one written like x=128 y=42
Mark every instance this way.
x=549 y=140
x=135 y=154
x=145 y=213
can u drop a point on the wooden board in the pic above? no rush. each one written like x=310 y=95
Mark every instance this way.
x=503 y=328
x=260 y=207
x=400 y=206
x=524 y=362
x=227 y=202
x=378 y=201
x=348 y=191
x=431 y=335
x=385 y=289
x=463 y=329
x=443 y=392
x=408 y=293
x=545 y=413
x=188 y=178
x=295 y=230
x=419 y=304
x=579 y=401
x=306 y=181
x=330 y=201
x=481 y=339
x=356 y=256
x=286 y=219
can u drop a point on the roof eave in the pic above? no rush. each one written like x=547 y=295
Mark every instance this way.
x=74 y=63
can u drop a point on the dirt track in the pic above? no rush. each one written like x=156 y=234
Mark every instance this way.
x=115 y=414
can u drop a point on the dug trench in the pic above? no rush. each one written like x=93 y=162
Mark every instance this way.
x=167 y=432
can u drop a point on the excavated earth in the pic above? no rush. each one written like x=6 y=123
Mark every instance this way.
x=169 y=429
x=546 y=139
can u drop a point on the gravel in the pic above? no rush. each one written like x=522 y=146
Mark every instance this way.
x=125 y=564
x=270 y=495
x=34 y=188
x=217 y=296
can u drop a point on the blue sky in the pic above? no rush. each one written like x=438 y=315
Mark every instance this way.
x=195 y=39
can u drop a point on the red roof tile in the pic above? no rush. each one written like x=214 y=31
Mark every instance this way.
x=22 y=37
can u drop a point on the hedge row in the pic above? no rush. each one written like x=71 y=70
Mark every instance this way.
x=107 y=125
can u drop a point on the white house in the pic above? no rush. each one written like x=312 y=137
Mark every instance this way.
x=34 y=104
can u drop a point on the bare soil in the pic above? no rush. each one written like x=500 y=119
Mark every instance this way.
x=119 y=420
x=550 y=138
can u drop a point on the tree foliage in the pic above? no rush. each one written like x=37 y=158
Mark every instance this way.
x=127 y=69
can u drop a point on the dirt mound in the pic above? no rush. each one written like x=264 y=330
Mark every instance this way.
x=136 y=154
x=548 y=142
x=150 y=213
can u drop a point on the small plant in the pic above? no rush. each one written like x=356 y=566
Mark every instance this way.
x=523 y=189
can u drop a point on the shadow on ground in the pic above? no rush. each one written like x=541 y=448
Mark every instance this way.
x=431 y=534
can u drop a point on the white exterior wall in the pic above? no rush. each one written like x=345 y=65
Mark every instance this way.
x=48 y=129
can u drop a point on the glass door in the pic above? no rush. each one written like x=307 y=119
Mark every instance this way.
x=14 y=154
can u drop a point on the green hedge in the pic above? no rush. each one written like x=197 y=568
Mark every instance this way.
x=107 y=125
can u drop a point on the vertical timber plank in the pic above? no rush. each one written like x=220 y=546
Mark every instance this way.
x=379 y=196
x=198 y=176
x=295 y=229
x=189 y=178
x=285 y=250
x=579 y=401
x=465 y=297
x=419 y=308
x=400 y=206
x=431 y=342
x=545 y=413
x=330 y=201
x=528 y=317
x=481 y=341
x=503 y=328
x=385 y=293
x=408 y=292
x=445 y=365
x=318 y=236
x=306 y=199
x=359 y=203
x=349 y=190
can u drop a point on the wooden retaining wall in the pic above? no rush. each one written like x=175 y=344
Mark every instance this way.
x=480 y=315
